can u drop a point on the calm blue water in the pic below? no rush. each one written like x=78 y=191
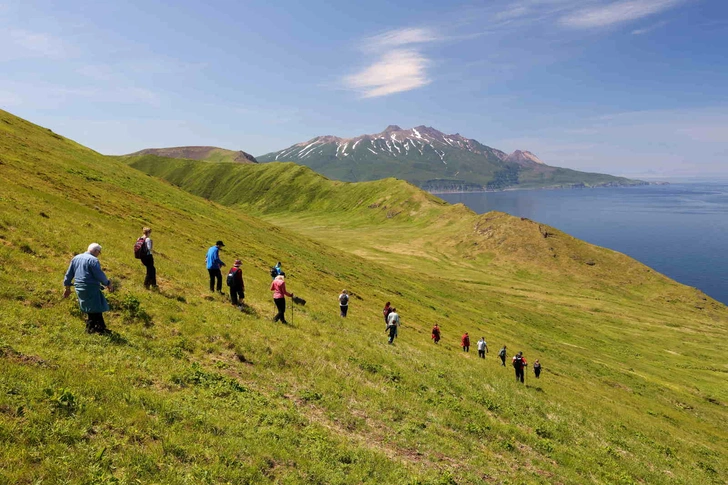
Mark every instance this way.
x=681 y=230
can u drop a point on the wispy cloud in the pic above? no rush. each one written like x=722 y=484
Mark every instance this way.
x=399 y=65
x=400 y=37
x=615 y=13
x=20 y=44
x=396 y=71
x=650 y=28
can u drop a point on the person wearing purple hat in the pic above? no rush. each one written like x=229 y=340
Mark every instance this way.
x=213 y=266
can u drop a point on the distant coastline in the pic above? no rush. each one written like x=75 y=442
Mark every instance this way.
x=553 y=187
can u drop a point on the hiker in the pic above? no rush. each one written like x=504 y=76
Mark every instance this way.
x=465 y=342
x=537 y=368
x=502 y=355
x=236 y=284
x=86 y=275
x=213 y=266
x=144 y=252
x=482 y=348
x=278 y=287
x=519 y=362
x=343 y=303
x=436 y=334
x=392 y=324
x=387 y=310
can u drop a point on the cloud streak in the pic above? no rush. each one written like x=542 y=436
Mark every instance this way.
x=24 y=44
x=399 y=64
x=615 y=13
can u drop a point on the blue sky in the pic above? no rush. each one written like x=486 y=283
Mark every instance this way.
x=635 y=87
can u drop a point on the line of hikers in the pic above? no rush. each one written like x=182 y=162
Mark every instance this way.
x=85 y=274
x=519 y=362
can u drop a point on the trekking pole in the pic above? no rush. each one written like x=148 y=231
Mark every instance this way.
x=292 y=305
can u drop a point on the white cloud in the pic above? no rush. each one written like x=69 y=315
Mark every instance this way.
x=400 y=37
x=615 y=13
x=399 y=64
x=396 y=71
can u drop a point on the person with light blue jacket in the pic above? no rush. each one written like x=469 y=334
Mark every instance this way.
x=86 y=275
x=213 y=266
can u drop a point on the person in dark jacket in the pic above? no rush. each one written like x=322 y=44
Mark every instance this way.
x=436 y=334
x=537 y=368
x=237 y=288
x=86 y=275
x=519 y=363
x=150 y=280
x=502 y=355
x=214 y=264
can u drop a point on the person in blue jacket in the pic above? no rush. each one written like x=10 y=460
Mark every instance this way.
x=86 y=275
x=213 y=266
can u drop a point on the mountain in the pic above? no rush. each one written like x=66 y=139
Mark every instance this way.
x=209 y=154
x=434 y=161
x=187 y=389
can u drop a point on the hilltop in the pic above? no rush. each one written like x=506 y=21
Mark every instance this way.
x=433 y=161
x=209 y=154
x=189 y=390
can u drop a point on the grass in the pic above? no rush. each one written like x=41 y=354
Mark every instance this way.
x=187 y=389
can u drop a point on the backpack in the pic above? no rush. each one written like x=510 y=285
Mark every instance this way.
x=344 y=300
x=140 y=248
x=231 y=276
x=502 y=353
x=518 y=362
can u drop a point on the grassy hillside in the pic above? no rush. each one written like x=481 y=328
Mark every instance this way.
x=188 y=390
x=207 y=154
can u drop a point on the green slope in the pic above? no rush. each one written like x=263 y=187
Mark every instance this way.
x=190 y=391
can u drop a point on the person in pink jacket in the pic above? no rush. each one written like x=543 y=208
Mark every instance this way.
x=278 y=287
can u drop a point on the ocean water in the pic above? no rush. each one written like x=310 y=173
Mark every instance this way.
x=680 y=230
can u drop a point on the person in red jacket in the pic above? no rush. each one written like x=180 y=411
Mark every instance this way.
x=278 y=287
x=436 y=334
x=386 y=311
x=519 y=363
x=465 y=342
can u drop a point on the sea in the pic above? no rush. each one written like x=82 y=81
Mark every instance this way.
x=680 y=229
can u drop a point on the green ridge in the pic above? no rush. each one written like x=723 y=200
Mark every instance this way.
x=189 y=390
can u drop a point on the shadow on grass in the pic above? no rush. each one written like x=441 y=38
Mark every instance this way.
x=115 y=338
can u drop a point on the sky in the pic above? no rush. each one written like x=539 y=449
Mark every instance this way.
x=627 y=87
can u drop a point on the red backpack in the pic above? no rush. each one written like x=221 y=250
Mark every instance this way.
x=140 y=248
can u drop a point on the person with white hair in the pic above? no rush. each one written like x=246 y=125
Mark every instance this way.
x=86 y=275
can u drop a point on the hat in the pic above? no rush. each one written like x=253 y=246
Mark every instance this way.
x=238 y=263
x=219 y=243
